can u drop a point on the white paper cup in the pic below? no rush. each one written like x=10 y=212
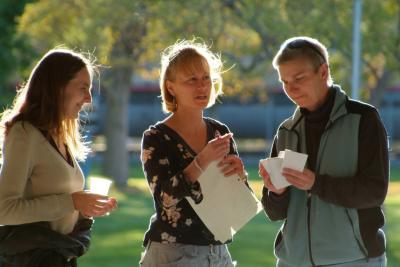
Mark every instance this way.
x=99 y=185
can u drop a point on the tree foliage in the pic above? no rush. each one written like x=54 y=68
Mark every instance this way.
x=14 y=50
x=128 y=36
x=114 y=32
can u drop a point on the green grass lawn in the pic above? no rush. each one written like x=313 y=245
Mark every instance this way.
x=117 y=238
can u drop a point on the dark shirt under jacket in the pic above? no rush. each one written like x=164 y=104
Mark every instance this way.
x=371 y=176
x=315 y=126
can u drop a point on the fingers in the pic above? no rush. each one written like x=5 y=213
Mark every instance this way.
x=231 y=164
x=262 y=172
x=268 y=184
x=221 y=150
x=230 y=170
x=104 y=205
x=302 y=180
x=217 y=148
x=221 y=142
x=230 y=159
x=227 y=136
x=113 y=202
x=93 y=205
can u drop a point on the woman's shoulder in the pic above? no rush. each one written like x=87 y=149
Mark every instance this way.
x=22 y=128
x=153 y=130
x=217 y=125
x=155 y=133
x=24 y=133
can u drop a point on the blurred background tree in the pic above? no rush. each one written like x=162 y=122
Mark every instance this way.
x=114 y=31
x=127 y=37
x=15 y=51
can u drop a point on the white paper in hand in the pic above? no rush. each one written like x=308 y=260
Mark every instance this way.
x=274 y=168
x=286 y=159
x=227 y=205
x=294 y=160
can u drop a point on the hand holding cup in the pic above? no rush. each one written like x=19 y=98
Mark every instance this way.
x=95 y=202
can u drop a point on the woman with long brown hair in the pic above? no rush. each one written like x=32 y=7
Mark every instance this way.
x=41 y=183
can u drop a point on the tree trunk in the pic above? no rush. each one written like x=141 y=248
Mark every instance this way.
x=116 y=156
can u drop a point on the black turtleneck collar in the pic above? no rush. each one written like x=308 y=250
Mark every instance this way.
x=323 y=112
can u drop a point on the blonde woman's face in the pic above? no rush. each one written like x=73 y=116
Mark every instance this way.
x=191 y=88
x=77 y=93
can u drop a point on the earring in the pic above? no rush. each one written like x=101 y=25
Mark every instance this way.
x=174 y=103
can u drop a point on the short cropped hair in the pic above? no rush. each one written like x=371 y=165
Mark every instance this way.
x=188 y=56
x=303 y=47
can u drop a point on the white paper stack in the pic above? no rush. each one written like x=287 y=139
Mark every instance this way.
x=227 y=205
x=286 y=159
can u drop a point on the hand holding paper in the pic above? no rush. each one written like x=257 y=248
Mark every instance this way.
x=285 y=159
x=228 y=204
x=303 y=180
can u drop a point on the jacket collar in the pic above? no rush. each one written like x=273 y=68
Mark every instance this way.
x=338 y=109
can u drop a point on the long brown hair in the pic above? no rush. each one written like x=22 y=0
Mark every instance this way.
x=40 y=100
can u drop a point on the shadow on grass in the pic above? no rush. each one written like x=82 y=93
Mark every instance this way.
x=117 y=239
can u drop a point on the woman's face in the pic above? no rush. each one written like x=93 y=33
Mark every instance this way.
x=191 y=87
x=77 y=93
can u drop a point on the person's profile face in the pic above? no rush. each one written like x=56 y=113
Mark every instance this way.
x=302 y=83
x=77 y=93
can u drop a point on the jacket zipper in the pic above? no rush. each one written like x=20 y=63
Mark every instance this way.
x=308 y=194
x=355 y=237
x=309 y=202
x=309 y=229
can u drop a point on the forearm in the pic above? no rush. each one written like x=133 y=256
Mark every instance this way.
x=275 y=206
x=368 y=186
x=351 y=192
x=194 y=170
x=14 y=210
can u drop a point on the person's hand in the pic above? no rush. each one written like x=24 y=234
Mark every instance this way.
x=93 y=205
x=216 y=149
x=267 y=180
x=232 y=164
x=302 y=180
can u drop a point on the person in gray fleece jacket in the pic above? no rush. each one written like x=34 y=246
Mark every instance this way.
x=331 y=212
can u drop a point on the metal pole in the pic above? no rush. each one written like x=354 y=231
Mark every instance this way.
x=356 y=66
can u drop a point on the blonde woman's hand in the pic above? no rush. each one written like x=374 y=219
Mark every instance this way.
x=93 y=205
x=232 y=164
x=216 y=149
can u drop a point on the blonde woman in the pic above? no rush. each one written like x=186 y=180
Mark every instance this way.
x=42 y=202
x=177 y=150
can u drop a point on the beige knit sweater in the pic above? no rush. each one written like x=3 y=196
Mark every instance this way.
x=36 y=182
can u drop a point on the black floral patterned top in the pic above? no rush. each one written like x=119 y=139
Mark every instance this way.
x=164 y=157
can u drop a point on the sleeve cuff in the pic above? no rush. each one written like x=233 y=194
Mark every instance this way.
x=194 y=190
x=274 y=197
x=316 y=188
